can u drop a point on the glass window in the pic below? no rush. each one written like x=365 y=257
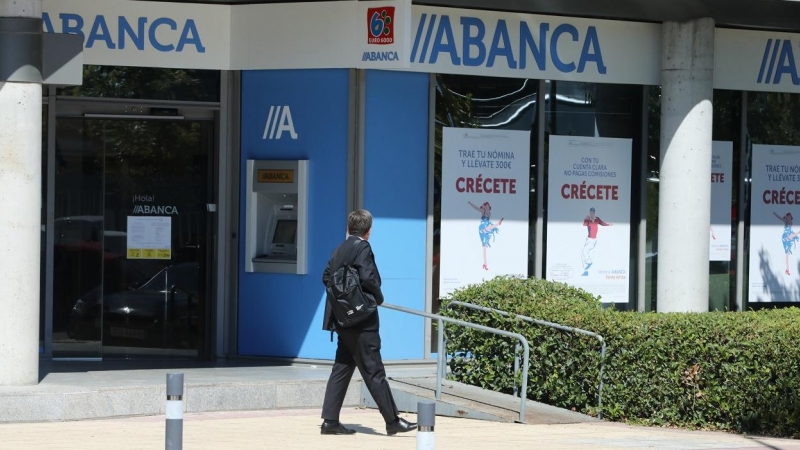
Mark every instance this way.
x=578 y=109
x=481 y=102
x=147 y=83
x=77 y=255
x=111 y=300
x=598 y=110
x=43 y=237
x=727 y=125
x=651 y=212
x=772 y=119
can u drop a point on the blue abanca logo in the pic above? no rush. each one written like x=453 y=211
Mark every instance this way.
x=279 y=121
x=781 y=62
x=475 y=48
x=380 y=56
x=139 y=34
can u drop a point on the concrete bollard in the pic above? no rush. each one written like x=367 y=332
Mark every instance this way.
x=426 y=416
x=174 y=430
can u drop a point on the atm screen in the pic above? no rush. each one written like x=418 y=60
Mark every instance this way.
x=285 y=232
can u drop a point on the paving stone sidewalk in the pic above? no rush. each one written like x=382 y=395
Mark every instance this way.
x=299 y=429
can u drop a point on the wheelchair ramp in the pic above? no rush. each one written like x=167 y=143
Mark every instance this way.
x=462 y=400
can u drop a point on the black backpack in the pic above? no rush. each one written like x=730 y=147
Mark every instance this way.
x=348 y=302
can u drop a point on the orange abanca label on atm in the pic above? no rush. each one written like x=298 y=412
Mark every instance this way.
x=275 y=176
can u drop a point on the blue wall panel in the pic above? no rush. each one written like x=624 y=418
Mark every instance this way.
x=395 y=192
x=281 y=315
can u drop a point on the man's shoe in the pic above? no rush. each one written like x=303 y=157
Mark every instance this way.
x=335 y=428
x=400 y=426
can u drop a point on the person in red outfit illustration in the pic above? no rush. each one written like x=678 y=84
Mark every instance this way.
x=591 y=222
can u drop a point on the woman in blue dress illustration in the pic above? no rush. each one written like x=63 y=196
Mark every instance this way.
x=486 y=229
x=789 y=237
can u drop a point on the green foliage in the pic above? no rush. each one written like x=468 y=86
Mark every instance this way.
x=719 y=370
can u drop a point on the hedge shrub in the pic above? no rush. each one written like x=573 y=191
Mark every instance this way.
x=721 y=370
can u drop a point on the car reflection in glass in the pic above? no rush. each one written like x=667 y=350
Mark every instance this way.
x=162 y=312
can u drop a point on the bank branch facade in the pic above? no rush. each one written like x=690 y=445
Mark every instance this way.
x=197 y=176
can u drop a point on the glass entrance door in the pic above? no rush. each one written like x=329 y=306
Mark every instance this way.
x=132 y=234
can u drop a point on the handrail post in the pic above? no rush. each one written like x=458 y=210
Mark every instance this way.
x=524 y=396
x=441 y=361
x=600 y=386
x=516 y=369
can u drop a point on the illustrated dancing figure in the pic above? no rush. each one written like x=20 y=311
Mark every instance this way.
x=486 y=229
x=789 y=238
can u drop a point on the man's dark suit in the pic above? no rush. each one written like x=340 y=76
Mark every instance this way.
x=360 y=345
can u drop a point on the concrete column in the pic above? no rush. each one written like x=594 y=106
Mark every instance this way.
x=687 y=75
x=20 y=189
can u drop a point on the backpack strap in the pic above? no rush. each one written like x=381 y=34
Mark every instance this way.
x=353 y=252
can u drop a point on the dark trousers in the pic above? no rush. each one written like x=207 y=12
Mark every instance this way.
x=360 y=349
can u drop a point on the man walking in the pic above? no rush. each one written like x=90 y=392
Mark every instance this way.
x=359 y=345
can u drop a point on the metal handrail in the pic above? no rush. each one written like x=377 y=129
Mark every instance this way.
x=553 y=325
x=441 y=353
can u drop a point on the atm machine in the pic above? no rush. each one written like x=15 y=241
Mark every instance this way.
x=276 y=238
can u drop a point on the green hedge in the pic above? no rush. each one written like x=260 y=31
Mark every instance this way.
x=731 y=371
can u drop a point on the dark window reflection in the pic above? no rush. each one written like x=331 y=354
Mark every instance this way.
x=588 y=109
x=147 y=83
x=773 y=118
x=727 y=127
x=78 y=246
x=109 y=174
x=43 y=238
x=653 y=166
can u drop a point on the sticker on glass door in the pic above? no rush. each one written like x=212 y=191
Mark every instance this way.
x=149 y=237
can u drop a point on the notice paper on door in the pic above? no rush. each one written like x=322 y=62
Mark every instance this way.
x=149 y=237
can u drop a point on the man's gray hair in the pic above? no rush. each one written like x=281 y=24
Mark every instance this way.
x=359 y=222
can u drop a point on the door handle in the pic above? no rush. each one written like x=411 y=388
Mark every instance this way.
x=171 y=303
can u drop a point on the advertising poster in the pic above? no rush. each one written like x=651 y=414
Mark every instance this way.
x=149 y=237
x=485 y=198
x=721 y=188
x=775 y=197
x=588 y=215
